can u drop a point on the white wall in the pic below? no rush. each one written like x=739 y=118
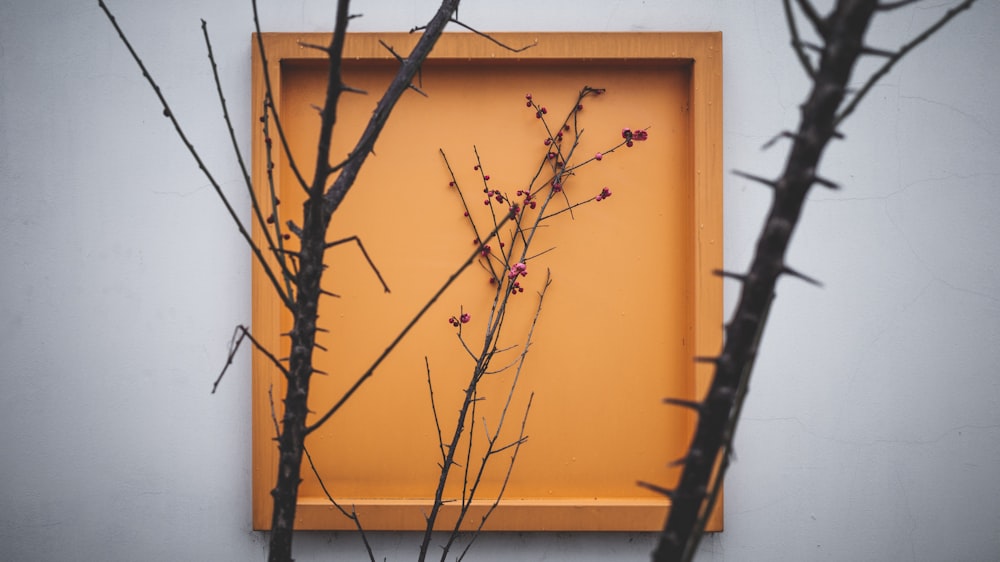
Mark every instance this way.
x=873 y=429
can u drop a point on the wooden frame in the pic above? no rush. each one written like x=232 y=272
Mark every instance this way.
x=693 y=60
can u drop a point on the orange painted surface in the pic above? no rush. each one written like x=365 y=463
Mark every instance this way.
x=631 y=299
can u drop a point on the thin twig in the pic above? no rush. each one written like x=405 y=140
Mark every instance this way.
x=254 y=203
x=364 y=252
x=353 y=515
x=493 y=39
x=437 y=421
x=874 y=78
x=234 y=346
x=521 y=439
x=269 y=99
x=793 y=28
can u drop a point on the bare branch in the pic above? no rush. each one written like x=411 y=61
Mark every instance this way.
x=363 y=252
x=269 y=99
x=874 y=78
x=353 y=515
x=793 y=28
x=437 y=421
x=489 y=37
x=234 y=346
x=255 y=204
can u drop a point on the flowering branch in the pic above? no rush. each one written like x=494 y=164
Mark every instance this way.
x=527 y=212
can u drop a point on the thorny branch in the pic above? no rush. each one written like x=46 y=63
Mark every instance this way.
x=269 y=100
x=718 y=413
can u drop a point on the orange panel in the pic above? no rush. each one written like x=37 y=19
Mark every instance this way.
x=630 y=302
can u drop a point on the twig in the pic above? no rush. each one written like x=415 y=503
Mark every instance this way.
x=437 y=422
x=269 y=100
x=234 y=346
x=491 y=38
x=521 y=439
x=255 y=205
x=874 y=78
x=353 y=515
x=364 y=252
x=796 y=42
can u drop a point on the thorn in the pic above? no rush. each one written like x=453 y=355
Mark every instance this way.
x=694 y=456
x=347 y=88
x=866 y=50
x=320 y=346
x=791 y=272
x=825 y=182
x=391 y=50
x=706 y=359
x=323 y=48
x=418 y=90
x=696 y=406
x=723 y=273
x=770 y=183
x=329 y=294
x=777 y=137
x=320 y=372
x=658 y=489
x=811 y=46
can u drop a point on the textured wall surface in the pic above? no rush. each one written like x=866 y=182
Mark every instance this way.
x=873 y=427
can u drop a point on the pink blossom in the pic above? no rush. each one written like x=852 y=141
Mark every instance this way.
x=517 y=269
x=598 y=156
x=465 y=318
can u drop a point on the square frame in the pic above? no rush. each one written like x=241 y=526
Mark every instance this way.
x=701 y=55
